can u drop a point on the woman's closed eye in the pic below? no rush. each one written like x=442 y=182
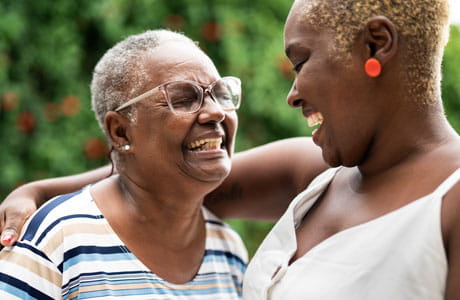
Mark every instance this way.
x=184 y=101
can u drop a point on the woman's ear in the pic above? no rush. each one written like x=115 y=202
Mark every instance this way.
x=117 y=127
x=382 y=39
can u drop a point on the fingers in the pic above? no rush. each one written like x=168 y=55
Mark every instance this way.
x=12 y=223
x=15 y=209
x=9 y=237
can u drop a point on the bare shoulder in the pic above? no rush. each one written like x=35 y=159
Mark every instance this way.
x=451 y=234
x=451 y=210
x=450 y=219
x=450 y=160
x=450 y=213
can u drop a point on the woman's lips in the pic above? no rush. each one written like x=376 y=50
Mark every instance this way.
x=313 y=120
x=205 y=144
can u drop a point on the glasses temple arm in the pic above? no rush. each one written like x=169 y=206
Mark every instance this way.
x=136 y=99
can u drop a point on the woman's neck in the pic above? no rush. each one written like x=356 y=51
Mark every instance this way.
x=167 y=235
x=409 y=135
x=132 y=210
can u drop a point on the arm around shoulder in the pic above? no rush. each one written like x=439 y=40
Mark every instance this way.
x=24 y=200
x=265 y=179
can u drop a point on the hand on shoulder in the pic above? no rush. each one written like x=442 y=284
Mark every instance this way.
x=17 y=207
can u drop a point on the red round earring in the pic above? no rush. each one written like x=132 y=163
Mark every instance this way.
x=373 y=67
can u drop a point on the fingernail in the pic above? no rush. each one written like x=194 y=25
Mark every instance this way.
x=7 y=237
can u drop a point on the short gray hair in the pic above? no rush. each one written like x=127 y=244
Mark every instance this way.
x=119 y=75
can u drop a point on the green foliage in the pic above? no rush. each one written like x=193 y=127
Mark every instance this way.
x=48 y=50
x=451 y=78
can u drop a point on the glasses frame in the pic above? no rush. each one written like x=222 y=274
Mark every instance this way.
x=204 y=88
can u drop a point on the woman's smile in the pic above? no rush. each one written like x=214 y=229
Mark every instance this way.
x=315 y=120
x=205 y=144
x=208 y=147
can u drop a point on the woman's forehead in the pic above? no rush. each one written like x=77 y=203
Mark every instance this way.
x=179 y=61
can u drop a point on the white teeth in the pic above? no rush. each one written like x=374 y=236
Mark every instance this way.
x=205 y=144
x=315 y=119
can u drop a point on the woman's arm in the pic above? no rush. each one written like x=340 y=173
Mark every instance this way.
x=24 y=201
x=260 y=186
x=265 y=179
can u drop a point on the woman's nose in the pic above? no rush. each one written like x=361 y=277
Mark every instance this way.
x=293 y=98
x=211 y=111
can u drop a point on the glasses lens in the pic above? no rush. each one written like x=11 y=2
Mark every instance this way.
x=184 y=97
x=228 y=92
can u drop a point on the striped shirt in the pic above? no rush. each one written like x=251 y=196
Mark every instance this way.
x=68 y=250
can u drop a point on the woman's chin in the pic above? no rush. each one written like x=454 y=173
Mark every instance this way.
x=215 y=170
x=331 y=158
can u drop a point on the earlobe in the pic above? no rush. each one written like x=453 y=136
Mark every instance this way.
x=373 y=67
x=381 y=39
x=117 y=128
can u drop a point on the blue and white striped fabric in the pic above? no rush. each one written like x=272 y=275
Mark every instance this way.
x=68 y=250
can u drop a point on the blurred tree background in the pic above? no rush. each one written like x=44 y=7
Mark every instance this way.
x=49 y=48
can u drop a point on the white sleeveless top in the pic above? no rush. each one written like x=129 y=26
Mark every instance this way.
x=398 y=256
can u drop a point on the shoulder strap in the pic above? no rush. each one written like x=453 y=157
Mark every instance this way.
x=444 y=187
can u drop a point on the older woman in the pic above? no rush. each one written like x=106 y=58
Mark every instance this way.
x=383 y=223
x=143 y=234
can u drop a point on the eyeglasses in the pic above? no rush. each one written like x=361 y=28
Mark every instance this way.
x=187 y=96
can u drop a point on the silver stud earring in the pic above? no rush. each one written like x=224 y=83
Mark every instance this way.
x=126 y=147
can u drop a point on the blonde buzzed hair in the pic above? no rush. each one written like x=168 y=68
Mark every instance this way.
x=423 y=25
